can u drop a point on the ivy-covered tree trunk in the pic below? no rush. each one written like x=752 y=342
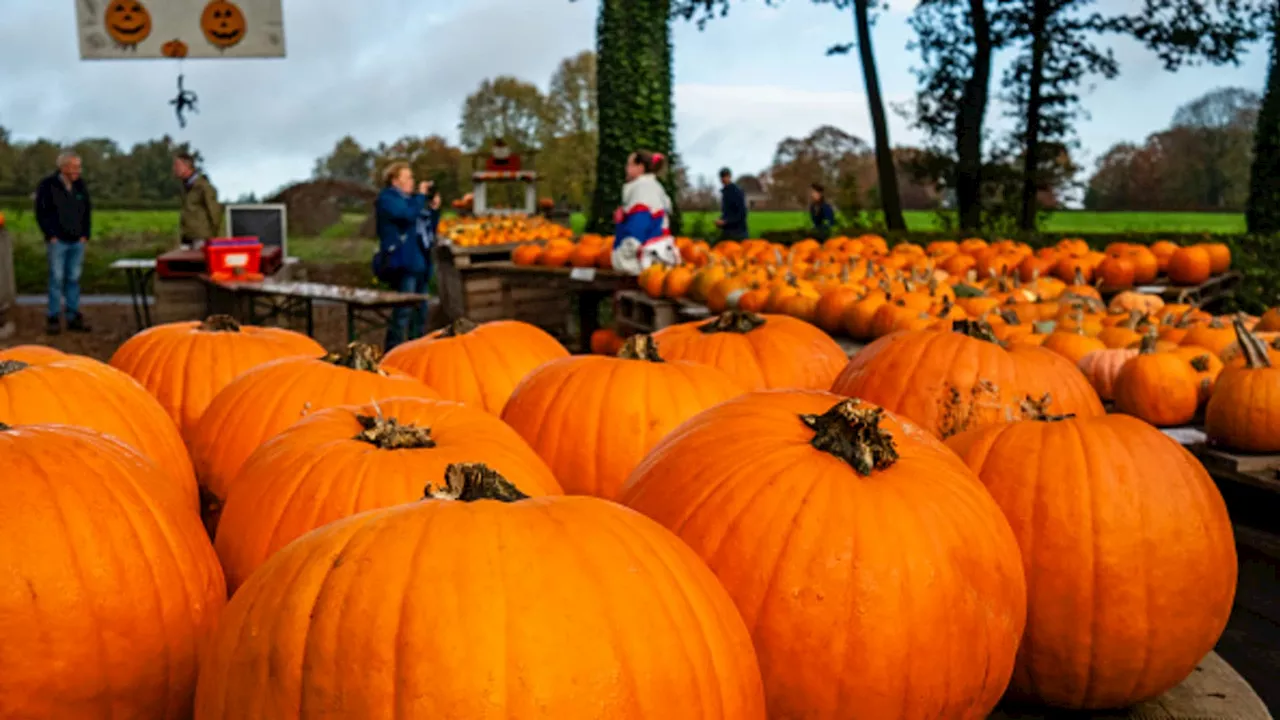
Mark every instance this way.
x=634 y=86
x=1263 y=211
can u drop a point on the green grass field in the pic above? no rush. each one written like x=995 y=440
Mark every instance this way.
x=146 y=233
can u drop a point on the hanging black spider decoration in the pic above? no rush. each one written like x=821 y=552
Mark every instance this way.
x=186 y=100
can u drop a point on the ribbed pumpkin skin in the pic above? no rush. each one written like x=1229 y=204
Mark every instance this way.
x=316 y=472
x=1128 y=550
x=913 y=373
x=480 y=368
x=898 y=595
x=782 y=353
x=261 y=403
x=109 y=581
x=1244 y=411
x=185 y=366
x=593 y=418
x=560 y=608
x=31 y=353
x=82 y=392
x=1102 y=367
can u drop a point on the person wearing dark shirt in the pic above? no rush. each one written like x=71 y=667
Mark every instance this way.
x=733 y=209
x=64 y=214
x=820 y=212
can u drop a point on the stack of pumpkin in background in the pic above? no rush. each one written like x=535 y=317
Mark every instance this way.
x=719 y=521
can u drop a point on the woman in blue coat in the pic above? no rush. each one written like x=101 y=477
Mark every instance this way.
x=403 y=259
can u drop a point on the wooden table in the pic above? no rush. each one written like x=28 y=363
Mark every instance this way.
x=138 y=273
x=591 y=285
x=1214 y=691
x=1200 y=295
x=264 y=300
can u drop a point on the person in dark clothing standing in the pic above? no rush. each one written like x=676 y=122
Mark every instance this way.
x=733 y=209
x=821 y=212
x=64 y=214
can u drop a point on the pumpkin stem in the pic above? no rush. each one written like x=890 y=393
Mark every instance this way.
x=1200 y=363
x=458 y=327
x=1079 y=278
x=9 y=367
x=947 y=305
x=388 y=434
x=5 y=428
x=640 y=347
x=357 y=356
x=1148 y=345
x=852 y=432
x=735 y=321
x=1010 y=317
x=1254 y=350
x=469 y=482
x=976 y=329
x=1038 y=410
x=219 y=323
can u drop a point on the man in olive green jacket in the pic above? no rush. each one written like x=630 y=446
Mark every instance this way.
x=201 y=213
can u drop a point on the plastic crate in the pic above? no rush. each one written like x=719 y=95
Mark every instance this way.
x=233 y=257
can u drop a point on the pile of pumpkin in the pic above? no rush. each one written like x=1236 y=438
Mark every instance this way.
x=720 y=522
x=591 y=250
x=476 y=231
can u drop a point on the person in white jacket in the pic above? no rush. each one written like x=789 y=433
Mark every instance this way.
x=643 y=235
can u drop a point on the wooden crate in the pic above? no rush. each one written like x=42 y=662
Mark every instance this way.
x=635 y=311
x=490 y=296
x=1261 y=471
x=179 y=300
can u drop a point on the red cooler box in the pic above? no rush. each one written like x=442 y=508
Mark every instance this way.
x=238 y=257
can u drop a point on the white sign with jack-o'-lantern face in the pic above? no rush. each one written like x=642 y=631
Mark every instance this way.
x=129 y=29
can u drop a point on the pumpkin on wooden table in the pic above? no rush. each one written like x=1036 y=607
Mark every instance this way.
x=1072 y=344
x=346 y=460
x=1102 y=367
x=111 y=586
x=1269 y=321
x=759 y=351
x=1159 y=387
x=261 y=403
x=31 y=353
x=829 y=521
x=1122 y=600
x=587 y=609
x=605 y=341
x=1189 y=266
x=1046 y=374
x=478 y=365
x=1130 y=301
x=1215 y=336
x=79 y=391
x=164 y=360
x=1206 y=365
x=1242 y=413
x=593 y=418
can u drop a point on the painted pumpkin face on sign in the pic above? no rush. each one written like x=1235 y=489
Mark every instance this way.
x=223 y=23
x=128 y=22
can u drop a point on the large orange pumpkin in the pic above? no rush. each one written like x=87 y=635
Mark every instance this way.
x=110 y=584
x=593 y=418
x=1190 y=266
x=1065 y=390
x=1123 y=600
x=264 y=401
x=849 y=539
x=480 y=603
x=760 y=351
x=31 y=353
x=75 y=390
x=184 y=365
x=1244 y=410
x=478 y=365
x=346 y=460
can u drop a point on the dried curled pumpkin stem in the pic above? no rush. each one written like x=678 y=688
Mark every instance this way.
x=1200 y=363
x=1254 y=350
x=219 y=323
x=640 y=347
x=1038 y=409
x=458 y=328
x=734 y=321
x=469 y=482
x=358 y=356
x=388 y=434
x=9 y=367
x=1149 y=340
x=976 y=329
x=851 y=431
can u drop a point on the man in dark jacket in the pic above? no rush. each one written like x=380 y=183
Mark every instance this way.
x=201 y=217
x=733 y=209
x=64 y=214
x=821 y=212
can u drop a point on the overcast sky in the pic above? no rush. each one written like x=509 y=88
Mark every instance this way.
x=380 y=69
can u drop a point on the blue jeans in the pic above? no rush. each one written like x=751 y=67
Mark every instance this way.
x=413 y=317
x=66 y=260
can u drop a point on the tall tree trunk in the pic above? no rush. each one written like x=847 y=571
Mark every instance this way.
x=890 y=199
x=969 y=121
x=1263 y=211
x=1035 y=103
x=633 y=87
